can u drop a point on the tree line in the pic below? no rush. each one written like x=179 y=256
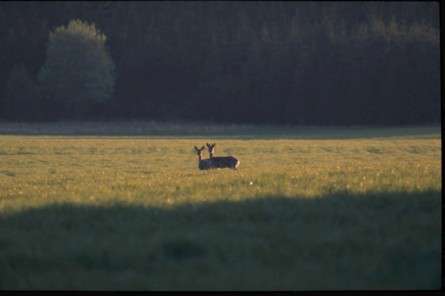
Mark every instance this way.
x=308 y=63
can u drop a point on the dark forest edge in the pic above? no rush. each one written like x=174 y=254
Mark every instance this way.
x=183 y=129
x=299 y=63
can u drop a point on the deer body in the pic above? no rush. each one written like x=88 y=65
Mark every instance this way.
x=222 y=161
x=203 y=164
x=225 y=162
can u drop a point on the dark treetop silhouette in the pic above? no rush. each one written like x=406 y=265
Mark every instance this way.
x=308 y=63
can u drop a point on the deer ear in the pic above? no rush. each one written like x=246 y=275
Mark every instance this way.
x=196 y=148
x=202 y=147
x=214 y=144
x=207 y=144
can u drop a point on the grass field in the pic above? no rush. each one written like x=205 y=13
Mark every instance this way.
x=308 y=209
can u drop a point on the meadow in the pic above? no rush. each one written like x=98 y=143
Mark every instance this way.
x=86 y=207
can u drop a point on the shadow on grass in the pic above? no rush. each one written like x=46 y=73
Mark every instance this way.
x=343 y=241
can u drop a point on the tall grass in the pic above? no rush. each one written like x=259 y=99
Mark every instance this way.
x=300 y=213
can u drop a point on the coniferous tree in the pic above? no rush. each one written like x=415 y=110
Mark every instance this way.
x=22 y=100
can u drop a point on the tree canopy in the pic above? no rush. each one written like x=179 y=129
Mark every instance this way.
x=312 y=63
x=78 y=71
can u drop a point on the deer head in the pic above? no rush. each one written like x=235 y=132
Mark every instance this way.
x=211 y=148
x=199 y=151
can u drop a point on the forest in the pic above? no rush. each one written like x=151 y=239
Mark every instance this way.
x=327 y=169
x=293 y=63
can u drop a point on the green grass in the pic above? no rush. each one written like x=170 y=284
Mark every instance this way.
x=336 y=209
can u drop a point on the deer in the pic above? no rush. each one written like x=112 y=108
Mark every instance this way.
x=203 y=164
x=222 y=161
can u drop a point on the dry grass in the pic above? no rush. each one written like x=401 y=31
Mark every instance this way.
x=98 y=212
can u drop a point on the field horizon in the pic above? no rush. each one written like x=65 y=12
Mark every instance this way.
x=308 y=208
x=211 y=130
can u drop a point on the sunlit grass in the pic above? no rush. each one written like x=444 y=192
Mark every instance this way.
x=164 y=172
x=136 y=213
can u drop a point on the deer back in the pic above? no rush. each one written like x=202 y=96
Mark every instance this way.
x=225 y=162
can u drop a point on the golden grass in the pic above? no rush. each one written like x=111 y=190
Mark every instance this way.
x=136 y=213
x=158 y=172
